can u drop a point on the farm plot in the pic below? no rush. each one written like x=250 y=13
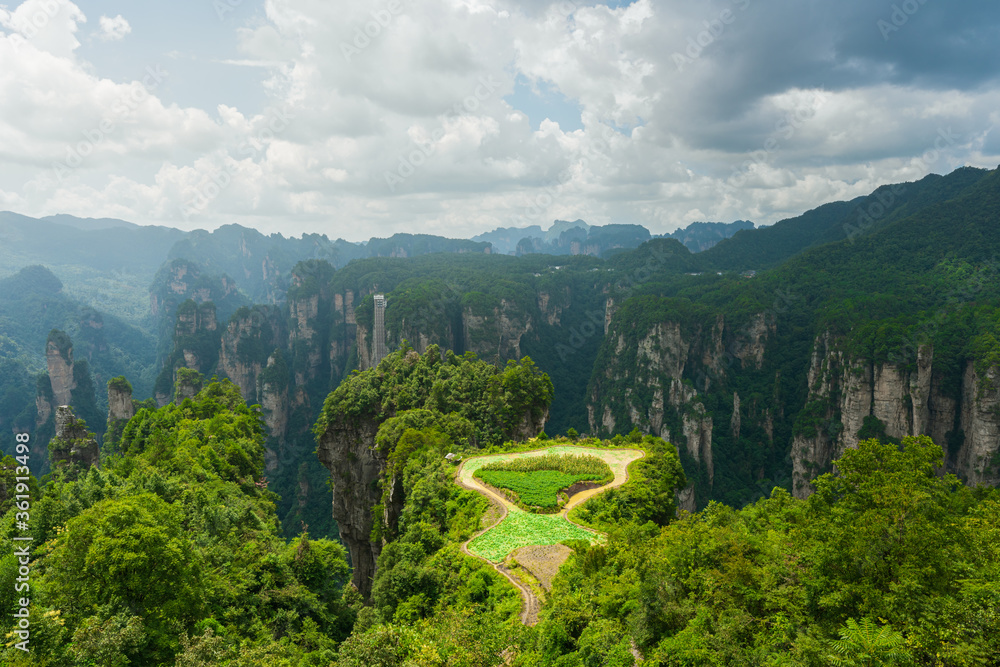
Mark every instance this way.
x=535 y=482
x=521 y=529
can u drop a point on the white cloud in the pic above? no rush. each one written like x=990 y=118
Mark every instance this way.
x=48 y=25
x=114 y=29
x=392 y=115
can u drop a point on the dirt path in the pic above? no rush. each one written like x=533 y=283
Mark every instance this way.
x=530 y=604
x=617 y=459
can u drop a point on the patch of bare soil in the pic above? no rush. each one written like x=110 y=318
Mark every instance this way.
x=492 y=516
x=543 y=562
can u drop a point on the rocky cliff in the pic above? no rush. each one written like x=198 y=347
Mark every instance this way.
x=850 y=399
x=356 y=410
x=658 y=379
x=246 y=347
x=59 y=357
x=73 y=447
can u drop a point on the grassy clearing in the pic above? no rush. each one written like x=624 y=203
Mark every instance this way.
x=521 y=529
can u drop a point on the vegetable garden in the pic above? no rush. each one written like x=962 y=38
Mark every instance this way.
x=535 y=483
x=533 y=474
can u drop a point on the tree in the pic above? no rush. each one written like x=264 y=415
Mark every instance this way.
x=123 y=558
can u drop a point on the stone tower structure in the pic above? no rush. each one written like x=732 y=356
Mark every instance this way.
x=378 y=336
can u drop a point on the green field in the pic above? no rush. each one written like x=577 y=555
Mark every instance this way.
x=537 y=481
x=539 y=488
x=521 y=529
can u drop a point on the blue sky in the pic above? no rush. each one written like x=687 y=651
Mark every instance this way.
x=458 y=116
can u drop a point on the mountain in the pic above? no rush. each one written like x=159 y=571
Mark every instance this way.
x=107 y=264
x=766 y=380
x=743 y=354
x=700 y=236
x=768 y=246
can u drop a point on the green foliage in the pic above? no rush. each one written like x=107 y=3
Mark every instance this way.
x=171 y=550
x=499 y=403
x=865 y=644
x=536 y=481
x=519 y=529
x=422 y=577
x=785 y=581
x=590 y=467
x=134 y=554
x=648 y=495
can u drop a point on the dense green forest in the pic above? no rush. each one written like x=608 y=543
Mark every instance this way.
x=170 y=553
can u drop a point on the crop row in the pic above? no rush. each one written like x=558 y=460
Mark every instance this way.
x=568 y=464
x=534 y=489
x=521 y=529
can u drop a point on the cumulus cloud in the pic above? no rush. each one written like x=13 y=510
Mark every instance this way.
x=114 y=29
x=398 y=115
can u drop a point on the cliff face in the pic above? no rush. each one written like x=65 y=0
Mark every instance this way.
x=347 y=450
x=59 y=357
x=73 y=445
x=657 y=381
x=850 y=399
x=498 y=333
x=354 y=412
x=246 y=343
x=978 y=459
x=120 y=406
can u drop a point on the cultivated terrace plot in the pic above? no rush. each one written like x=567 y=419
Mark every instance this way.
x=534 y=479
x=537 y=483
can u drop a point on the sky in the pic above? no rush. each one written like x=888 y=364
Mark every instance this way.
x=454 y=117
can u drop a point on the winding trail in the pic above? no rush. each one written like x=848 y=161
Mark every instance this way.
x=617 y=459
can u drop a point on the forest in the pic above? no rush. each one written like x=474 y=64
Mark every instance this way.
x=170 y=552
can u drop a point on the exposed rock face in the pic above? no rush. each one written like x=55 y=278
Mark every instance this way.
x=44 y=409
x=60 y=362
x=497 y=334
x=120 y=406
x=735 y=421
x=274 y=399
x=666 y=358
x=120 y=410
x=247 y=338
x=364 y=348
x=73 y=444
x=978 y=460
x=347 y=450
x=187 y=385
x=905 y=401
